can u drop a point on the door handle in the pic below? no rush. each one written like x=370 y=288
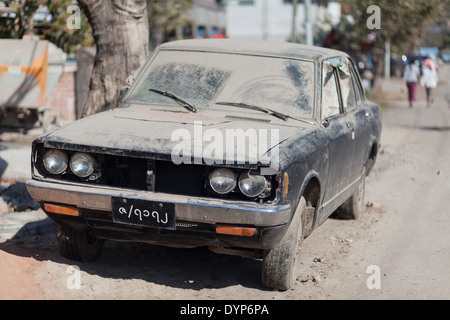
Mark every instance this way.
x=349 y=125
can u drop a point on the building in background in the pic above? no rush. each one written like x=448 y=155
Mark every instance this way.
x=208 y=19
x=272 y=19
x=201 y=19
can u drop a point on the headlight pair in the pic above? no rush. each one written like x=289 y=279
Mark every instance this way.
x=251 y=184
x=56 y=162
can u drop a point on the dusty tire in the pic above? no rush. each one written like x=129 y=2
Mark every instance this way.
x=353 y=207
x=77 y=246
x=280 y=265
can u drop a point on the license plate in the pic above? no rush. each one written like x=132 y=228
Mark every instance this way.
x=144 y=213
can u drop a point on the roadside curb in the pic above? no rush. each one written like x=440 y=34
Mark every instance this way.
x=23 y=224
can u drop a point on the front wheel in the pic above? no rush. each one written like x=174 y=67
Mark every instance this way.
x=353 y=207
x=280 y=265
x=75 y=245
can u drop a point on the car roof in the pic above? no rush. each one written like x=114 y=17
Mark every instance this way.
x=257 y=47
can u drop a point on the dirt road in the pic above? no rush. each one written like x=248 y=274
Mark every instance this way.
x=399 y=249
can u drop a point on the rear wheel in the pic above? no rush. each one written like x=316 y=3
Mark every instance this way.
x=76 y=245
x=353 y=207
x=280 y=265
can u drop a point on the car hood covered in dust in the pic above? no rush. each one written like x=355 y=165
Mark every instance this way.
x=145 y=132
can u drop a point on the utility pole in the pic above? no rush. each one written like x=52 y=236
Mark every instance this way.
x=265 y=19
x=308 y=27
x=294 y=18
x=387 y=60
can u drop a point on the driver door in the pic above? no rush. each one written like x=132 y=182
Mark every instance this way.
x=339 y=135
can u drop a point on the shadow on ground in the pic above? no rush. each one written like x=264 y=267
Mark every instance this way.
x=194 y=269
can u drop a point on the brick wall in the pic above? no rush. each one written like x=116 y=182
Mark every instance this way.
x=61 y=102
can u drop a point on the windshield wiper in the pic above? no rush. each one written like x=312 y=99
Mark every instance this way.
x=263 y=109
x=277 y=114
x=173 y=96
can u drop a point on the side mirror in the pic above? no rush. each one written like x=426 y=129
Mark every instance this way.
x=123 y=91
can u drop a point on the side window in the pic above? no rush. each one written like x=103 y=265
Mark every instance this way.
x=347 y=86
x=356 y=84
x=330 y=96
x=356 y=89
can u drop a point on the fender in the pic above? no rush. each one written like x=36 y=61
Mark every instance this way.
x=313 y=199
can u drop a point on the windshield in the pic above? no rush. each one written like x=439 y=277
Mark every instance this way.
x=204 y=78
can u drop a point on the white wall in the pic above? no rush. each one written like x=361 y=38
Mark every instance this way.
x=272 y=19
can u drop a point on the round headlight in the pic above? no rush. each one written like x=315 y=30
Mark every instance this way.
x=82 y=164
x=252 y=185
x=222 y=180
x=55 y=161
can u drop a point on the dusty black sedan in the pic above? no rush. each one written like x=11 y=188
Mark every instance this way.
x=242 y=146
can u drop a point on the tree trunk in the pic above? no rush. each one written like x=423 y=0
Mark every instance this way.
x=120 y=31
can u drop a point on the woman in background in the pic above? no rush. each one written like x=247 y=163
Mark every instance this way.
x=429 y=79
x=411 y=76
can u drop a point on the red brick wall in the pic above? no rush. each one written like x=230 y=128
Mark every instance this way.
x=61 y=102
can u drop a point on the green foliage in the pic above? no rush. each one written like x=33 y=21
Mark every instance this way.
x=403 y=22
x=19 y=22
x=57 y=32
x=166 y=16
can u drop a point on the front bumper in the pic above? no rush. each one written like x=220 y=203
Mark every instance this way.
x=270 y=220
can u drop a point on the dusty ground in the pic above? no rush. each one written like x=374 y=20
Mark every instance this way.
x=404 y=236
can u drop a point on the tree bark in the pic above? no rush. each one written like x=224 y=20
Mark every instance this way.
x=121 y=34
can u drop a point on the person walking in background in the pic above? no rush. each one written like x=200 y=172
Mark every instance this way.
x=429 y=79
x=411 y=76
